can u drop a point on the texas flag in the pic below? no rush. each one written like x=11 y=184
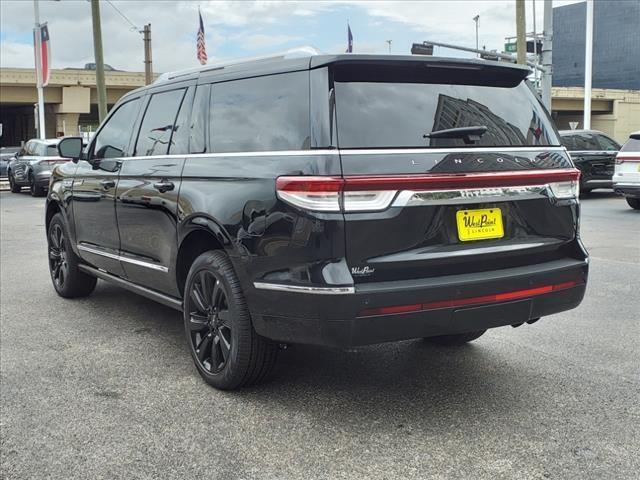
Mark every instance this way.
x=44 y=67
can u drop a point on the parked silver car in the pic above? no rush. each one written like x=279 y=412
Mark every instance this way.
x=6 y=155
x=32 y=166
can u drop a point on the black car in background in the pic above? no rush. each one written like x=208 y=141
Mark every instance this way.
x=334 y=200
x=594 y=154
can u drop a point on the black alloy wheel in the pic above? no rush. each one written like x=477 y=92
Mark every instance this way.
x=58 y=264
x=227 y=351
x=68 y=280
x=210 y=322
x=12 y=184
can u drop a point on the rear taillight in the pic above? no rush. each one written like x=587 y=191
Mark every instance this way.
x=621 y=158
x=376 y=193
x=565 y=190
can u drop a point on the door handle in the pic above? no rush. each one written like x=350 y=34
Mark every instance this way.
x=164 y=186
x=106 y=184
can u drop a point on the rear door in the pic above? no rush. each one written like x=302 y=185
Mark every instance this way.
x=20 y=168
x=147 y=193
x=419 y=206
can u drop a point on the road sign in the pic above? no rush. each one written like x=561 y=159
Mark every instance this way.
x=511 y=47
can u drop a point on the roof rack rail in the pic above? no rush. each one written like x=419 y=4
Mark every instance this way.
x=298 y=52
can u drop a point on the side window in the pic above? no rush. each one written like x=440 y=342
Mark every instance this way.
x=113 y=137
x=568 y=142
x=261 y=114
x=158 y=122
x=52 y=151
x=180 y=137
x=631 y=145
x=586 y=142
x=199 y=115
x=29 y=148
x=607 y=144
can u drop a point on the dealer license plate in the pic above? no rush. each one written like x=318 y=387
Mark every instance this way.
x=481 y=224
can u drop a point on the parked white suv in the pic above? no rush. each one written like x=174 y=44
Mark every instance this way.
x=626 y=179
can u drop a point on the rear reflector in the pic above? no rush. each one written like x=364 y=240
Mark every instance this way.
x=462 y=302
x=376 y=193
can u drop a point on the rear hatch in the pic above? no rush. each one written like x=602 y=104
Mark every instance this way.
x=498 y=192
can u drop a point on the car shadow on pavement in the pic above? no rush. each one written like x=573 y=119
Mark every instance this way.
x=410 y=380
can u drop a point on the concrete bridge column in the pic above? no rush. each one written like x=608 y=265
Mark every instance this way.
x=67 y=124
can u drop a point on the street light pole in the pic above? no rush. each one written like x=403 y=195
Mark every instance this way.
x=475 y=19
x=588 y=60
x=148 y=68
x=37 y=38
x=97 y=48
x=521 y=42
x=547 y=50
x=389 y=42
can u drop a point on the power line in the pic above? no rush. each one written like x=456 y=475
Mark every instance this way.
x=133 y=26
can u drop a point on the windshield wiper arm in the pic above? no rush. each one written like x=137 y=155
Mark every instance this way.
x=468 y=134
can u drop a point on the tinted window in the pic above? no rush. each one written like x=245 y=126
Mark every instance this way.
x=112 y=139
x=586 y=141
x=568 y=141
x=29 y=148
x=607 y=144
x=387 y=114
x=180 y=137
x=52 y=151
x=261 y=114
x=199 y=116
x=157 y=125
x=631 y=145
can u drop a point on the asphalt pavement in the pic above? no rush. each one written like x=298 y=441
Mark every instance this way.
x=104 y=387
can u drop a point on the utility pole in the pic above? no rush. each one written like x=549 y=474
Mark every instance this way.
x=97 y=48
x=588 y=61
x=475 y=19
x=521 y=25
x=389 y=42
x=547 y=50
x=148 y=66
x=37 y=37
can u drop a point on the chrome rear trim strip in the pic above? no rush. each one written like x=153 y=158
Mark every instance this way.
x=302 y=289
x=410 y=198
x=133 y=261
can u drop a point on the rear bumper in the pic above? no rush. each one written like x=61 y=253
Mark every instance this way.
x=42 y=178
x=628 y=189
x=345 y=319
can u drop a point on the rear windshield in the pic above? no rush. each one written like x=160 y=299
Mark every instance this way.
x=631 y=145
x=386 y=114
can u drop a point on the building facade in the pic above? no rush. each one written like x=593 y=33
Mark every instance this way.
x=616 y=44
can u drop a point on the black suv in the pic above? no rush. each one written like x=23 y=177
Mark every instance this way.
x=595 y=156
x=336 y=200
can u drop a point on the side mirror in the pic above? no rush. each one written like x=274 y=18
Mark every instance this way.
x=70 y=147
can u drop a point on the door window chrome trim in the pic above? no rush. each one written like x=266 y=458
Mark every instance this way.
x=384 y=151
x=303 y=289
x=355 y=151
x=152 y=266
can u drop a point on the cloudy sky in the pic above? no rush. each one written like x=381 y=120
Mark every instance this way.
x=248 y=28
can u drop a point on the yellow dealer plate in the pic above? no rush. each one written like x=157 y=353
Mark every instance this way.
x=479 y=224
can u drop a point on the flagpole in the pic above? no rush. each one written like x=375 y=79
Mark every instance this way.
x=37 y=33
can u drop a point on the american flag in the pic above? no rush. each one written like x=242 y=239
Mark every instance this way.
x=44 y=69
x=202 y=50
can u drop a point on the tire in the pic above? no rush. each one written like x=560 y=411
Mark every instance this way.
x=15 y=188
x=225 y=348
x=68 y=280
x=34 y=188
x=634 y=203
x=455 y=340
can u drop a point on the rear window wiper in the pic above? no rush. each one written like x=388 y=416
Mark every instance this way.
x=468 y=134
